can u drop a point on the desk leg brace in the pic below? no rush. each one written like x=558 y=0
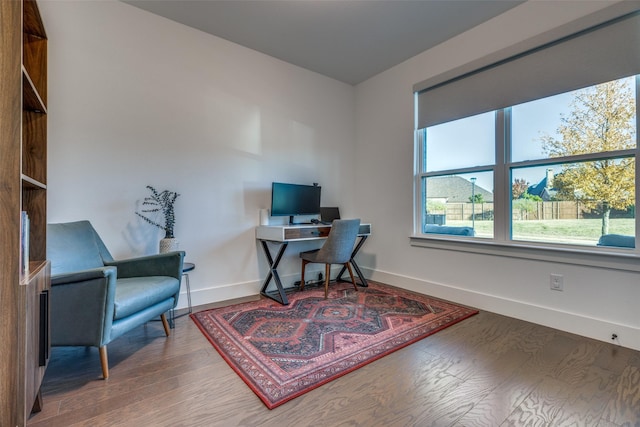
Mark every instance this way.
x=355 y=265
x=281 y=297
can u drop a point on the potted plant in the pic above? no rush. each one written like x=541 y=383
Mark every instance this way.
x=162 y=202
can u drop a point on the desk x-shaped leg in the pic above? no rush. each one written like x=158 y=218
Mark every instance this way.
x=363 y=281
x=279 y=296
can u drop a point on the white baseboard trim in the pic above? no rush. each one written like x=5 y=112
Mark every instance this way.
x=574 y=323
x=241 y=289
x=219 y=293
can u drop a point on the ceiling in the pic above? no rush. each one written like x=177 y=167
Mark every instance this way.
x=348 y=40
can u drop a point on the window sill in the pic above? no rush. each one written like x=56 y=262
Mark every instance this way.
x=574 y=255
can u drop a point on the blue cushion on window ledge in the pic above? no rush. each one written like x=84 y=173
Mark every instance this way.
x=446 y=229
x=617 y=240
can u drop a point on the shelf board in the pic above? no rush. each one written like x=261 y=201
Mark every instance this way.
x=34 y=60
x=32 y=184
x=31 y=99
x=34 y=269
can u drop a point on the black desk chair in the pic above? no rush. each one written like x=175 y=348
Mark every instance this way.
x=336 y=250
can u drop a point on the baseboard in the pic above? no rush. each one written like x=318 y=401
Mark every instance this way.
x=574 y=323
x=241 y=289
x=590 y=327
x=219 y=293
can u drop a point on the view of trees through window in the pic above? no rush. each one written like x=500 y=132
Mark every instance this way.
x=571 y=168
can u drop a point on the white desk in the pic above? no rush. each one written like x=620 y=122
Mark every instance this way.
x=282 y=235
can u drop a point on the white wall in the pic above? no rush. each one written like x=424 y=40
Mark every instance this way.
x=136 y=100
x=596 y=302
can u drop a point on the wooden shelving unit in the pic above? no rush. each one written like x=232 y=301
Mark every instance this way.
x=24 y=295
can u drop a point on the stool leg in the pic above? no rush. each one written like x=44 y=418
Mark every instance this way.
x=327 y=272
x=186 y=282
x=188 y=286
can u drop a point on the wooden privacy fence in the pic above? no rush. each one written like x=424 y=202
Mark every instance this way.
x=551 y=210
x=529 y=210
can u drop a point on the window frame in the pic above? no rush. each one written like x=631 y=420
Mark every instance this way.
x=502 y=242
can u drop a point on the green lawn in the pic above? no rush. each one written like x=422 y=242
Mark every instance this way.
x=580 y=231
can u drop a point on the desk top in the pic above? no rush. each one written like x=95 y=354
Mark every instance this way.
x=288 y=233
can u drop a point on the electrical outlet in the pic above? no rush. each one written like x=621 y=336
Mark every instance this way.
x=557 y=282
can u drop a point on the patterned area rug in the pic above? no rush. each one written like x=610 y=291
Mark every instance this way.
x=282 y=352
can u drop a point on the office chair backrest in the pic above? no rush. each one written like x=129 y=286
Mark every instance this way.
x=329 y=215
x=339 y=244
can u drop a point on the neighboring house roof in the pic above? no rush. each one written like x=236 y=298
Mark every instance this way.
x=544 y=189
x=454 y=189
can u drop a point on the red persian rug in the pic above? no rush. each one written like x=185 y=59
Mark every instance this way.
x=284 y=351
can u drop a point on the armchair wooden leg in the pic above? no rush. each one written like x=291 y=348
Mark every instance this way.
x=165 y=324
x=104 y=362
x=353 y=280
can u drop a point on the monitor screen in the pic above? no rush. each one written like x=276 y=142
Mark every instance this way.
x=294 y=199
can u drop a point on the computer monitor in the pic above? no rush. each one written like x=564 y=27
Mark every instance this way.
x=294 y=199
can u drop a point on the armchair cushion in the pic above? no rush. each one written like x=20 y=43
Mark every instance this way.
x=137 y=293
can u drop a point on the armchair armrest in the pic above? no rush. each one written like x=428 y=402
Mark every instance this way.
x=82 y=305
x=167 y=264
x=83 y=275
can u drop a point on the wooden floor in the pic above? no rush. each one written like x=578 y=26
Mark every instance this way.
x=488 y=370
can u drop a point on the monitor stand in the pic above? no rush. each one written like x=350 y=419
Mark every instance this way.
x=297 y=223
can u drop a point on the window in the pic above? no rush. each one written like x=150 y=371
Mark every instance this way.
x=568 y=162
x=534 y=152
x=592 y=192
x=563 y=167
x=458 y=189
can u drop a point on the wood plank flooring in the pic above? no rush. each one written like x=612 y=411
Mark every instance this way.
x=488 y=370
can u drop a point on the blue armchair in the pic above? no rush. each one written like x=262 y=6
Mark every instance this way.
x=95 y=299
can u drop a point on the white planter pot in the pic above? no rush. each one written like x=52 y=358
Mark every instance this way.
x=169 y=245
